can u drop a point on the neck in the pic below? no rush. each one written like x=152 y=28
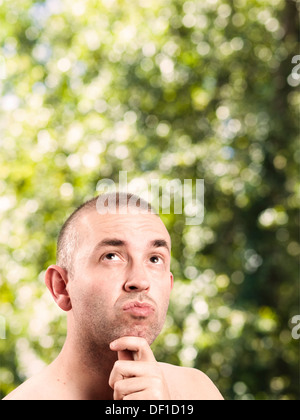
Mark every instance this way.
x=84 y=371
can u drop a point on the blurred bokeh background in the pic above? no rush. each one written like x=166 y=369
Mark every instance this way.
x=162 y=89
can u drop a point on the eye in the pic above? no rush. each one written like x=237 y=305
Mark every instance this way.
x=111 y=257
x=156 y=260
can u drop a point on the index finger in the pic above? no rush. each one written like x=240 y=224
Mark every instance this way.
x=139 y=347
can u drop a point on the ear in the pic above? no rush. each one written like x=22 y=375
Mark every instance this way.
x=56 y=279
x=172 y=280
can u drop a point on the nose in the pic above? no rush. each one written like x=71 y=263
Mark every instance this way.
x=136 y=279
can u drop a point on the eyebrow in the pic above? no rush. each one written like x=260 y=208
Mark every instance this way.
x=159 y=243
x=156 y=243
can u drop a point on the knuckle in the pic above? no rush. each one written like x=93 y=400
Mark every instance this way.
x=117 y=364
x=118 y=386
x=118 y=390
x=111 y=382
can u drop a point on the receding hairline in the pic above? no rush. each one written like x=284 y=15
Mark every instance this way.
x=68 y=237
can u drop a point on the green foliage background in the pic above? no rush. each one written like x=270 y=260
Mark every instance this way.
x=164 y=89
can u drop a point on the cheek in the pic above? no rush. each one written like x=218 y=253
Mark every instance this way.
x=163 y=295
x=93 y=290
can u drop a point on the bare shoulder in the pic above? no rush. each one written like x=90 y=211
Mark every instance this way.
x=39 y=387
x=29 y=390
x=189 y=384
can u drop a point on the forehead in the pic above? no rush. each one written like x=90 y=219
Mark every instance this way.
x=131 y=228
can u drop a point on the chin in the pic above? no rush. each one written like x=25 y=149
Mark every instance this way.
x=137 y=331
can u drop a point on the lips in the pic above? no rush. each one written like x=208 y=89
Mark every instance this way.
x=138 y=309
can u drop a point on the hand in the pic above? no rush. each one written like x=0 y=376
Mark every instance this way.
x=136 y=375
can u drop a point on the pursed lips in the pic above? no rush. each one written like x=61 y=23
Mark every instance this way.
x=140 y=309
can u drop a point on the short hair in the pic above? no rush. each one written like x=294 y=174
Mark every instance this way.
x=68 y=236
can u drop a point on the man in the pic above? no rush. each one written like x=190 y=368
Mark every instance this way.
x=113 y=279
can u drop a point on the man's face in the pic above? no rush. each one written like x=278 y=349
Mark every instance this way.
x=122 y=281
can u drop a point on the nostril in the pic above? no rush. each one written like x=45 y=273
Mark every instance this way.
x=136 y=282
